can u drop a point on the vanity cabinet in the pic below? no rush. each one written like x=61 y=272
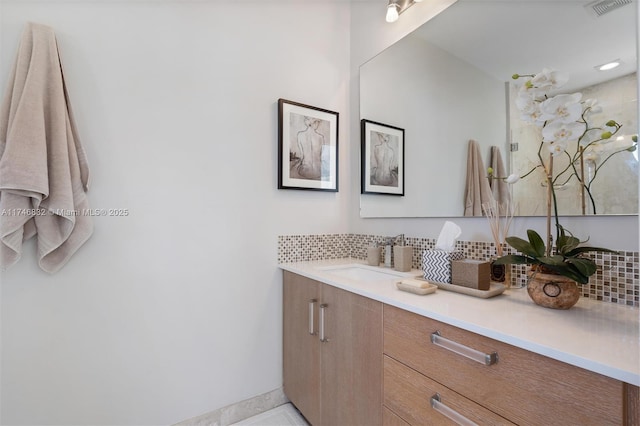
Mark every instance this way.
x=493 y=383
x=332 y=353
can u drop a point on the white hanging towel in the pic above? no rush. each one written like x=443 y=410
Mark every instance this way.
x=477 y=190
x=44 y=174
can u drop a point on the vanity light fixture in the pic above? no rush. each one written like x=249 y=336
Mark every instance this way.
x=393 y=11
x=396 y=7
x=609 y=65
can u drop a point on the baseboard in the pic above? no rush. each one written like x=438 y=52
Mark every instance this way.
x=240 y=410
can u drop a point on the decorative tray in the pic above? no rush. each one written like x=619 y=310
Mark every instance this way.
x=494 y=290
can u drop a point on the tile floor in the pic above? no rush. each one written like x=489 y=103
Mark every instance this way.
x=284 y=415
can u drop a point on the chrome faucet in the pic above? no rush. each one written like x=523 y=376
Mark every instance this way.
x=388 y=244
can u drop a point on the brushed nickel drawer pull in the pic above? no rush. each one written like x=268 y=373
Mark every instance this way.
x=448 y=412
x=312 y=305
x=481 y=357
x=323 y=307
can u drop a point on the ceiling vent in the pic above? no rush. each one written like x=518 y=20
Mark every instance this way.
x=600 y=7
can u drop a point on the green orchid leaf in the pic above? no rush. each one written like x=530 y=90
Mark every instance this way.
x=569 y=271
x=567 y=262
x=515 y=260
x=576 y=275
x=555 y=260
x=586 y=266
x=522 y=246
x=578 y=250
x=536 y=242
x=567 y=243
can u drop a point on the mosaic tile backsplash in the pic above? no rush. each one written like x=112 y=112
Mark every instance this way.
x=616 y=281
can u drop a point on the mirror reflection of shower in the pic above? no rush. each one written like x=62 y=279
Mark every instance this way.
x=608 y=170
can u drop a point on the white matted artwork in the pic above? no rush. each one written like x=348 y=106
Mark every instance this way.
x=382 y=150
x=307 y=147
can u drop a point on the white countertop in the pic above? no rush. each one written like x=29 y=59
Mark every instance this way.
x=597 y=336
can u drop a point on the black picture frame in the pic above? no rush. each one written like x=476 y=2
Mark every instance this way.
x=307 y=147
x=382 y=158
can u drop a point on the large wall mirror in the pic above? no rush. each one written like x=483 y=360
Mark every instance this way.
x=449 y=81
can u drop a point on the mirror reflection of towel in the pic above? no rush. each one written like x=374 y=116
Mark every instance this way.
x=477 y=190
x=499 y=188
x=43 y=168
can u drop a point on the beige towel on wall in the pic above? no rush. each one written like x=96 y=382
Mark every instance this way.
x=477 y=190
x=499 y=188
x=43 y=168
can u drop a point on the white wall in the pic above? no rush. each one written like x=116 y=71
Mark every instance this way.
x=369 y=36
x=175 y=310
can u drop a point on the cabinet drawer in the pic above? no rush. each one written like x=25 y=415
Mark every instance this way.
x=389 y=418
x=408 y=394
x=526 y=388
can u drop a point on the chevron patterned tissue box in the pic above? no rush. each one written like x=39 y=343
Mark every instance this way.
x=436 y=264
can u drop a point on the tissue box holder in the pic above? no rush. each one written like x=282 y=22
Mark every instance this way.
x=436 y=264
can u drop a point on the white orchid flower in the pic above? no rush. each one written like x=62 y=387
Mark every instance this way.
x=566 y=108
x=598 y=149
x=529 y=109
x=549 y=79
x=557 y=131
x=528 y=89
x=558 y=147
x=525 y=103
x=619 y=144
x=591 y=106
x=535 y=93
x=512 y=178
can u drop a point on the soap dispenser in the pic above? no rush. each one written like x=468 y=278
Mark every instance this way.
x=373 y=255
x=403 y=256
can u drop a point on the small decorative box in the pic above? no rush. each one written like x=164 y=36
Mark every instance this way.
x=436 y=264
x=471 y=273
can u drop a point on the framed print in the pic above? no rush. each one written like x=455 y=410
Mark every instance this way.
x=382 y=158
x=307 y=147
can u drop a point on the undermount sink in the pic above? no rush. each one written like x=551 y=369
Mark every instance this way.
x=365 y=273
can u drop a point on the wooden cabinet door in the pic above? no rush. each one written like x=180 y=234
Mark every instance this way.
x=351 y=359
x=301 y=351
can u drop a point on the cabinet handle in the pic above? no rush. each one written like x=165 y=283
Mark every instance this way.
x=450 y=413
x=312 y=305
x=322 y=310
x=481 y=357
